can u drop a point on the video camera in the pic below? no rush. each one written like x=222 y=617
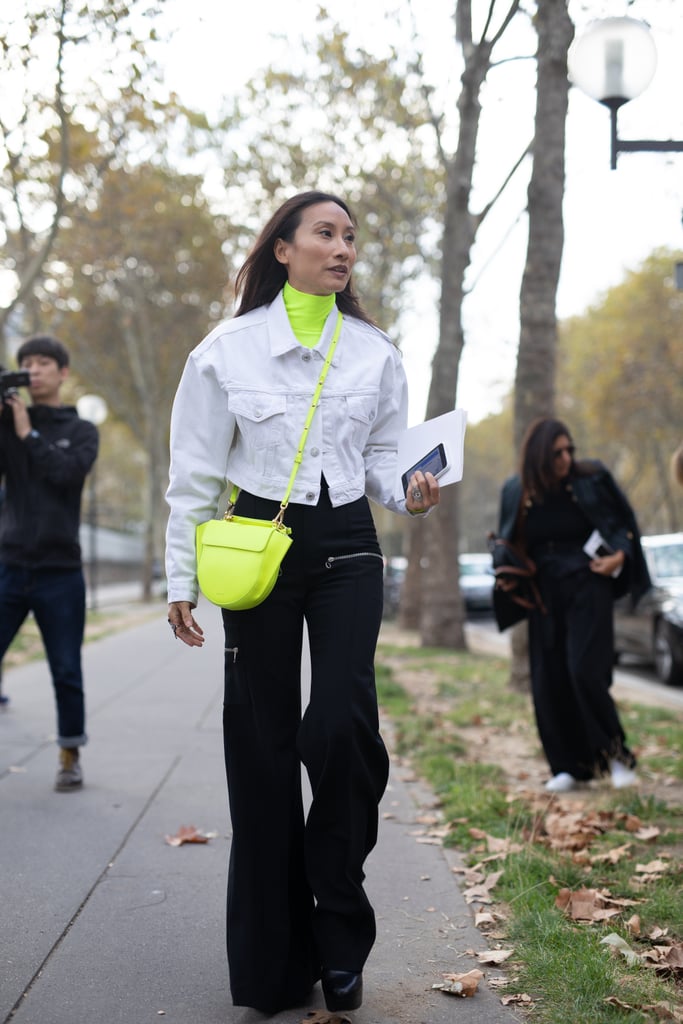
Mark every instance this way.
x=11 y=381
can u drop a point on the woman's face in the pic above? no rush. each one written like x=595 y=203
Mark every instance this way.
x=563 y=453
x=320 y=257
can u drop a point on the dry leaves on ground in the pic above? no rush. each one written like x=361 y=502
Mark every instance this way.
x=494 y=956
x=464 y=985
x=188 y=834
x=654 y=1011
x=591 y=904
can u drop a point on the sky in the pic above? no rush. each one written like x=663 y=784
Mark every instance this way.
x=613 y=219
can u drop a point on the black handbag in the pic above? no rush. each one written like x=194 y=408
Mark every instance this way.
x=515 y=591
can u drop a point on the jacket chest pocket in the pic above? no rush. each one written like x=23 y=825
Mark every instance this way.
x=260 y=417
x=361 y=411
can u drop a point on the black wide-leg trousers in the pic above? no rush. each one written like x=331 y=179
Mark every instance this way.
x=571 y=654
x=296 y=901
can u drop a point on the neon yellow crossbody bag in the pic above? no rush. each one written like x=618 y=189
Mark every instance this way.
x=238 y=559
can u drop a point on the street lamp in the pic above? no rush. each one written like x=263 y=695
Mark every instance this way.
x=613 y=62
x=94 y=409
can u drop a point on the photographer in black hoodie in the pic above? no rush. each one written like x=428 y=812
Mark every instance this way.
x=46 y=452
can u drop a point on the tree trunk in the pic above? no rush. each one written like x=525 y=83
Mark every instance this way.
x=535 y=376
x=442 y=613
x=411 y=588
x=519 y=680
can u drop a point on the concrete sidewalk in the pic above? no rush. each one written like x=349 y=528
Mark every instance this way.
x=104 y=923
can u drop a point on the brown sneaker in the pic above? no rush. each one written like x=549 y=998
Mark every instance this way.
x=69 y=775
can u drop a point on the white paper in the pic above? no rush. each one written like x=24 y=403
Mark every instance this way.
x=415 y=442
x=594 y=543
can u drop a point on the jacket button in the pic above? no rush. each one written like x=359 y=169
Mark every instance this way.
x=310 y=496
x=258 y=413
x=306 y=356
x=315 y=451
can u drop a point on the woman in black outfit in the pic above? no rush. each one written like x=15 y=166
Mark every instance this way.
x=550 y=510
x=297 y=906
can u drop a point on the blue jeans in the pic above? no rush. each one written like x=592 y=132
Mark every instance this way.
x=57 y=599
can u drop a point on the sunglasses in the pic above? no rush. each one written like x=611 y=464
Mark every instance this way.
x=569 y=449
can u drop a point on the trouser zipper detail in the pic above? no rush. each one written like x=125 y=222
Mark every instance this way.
x=331 y=559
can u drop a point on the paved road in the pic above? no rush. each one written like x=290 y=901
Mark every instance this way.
x=633 y=683
x=104 y=923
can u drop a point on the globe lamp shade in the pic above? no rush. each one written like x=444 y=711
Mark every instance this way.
x=614 y=60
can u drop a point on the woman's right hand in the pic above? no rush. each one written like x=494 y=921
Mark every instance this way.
x=183 y=624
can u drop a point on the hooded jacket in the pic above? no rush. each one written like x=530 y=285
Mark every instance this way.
x=43 y=478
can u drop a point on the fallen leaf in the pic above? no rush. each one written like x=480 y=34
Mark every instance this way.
x=494 y=956
x=480 y=893
x=648 y=833
x=633 y=925
x=187 y=834
x=519 y=997
x=667 y=959
x=591 y=904
x=653 y=868
x=483 y=917
x=427 y=819
x=655 y=1011
x=621 y=946
x=460 y=984
x=612 y=856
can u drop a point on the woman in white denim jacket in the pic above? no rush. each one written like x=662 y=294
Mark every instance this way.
x=297 y=910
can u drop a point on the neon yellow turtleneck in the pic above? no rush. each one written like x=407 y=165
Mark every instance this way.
x=307 y=314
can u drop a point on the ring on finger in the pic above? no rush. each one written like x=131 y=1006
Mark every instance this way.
x=417 y=494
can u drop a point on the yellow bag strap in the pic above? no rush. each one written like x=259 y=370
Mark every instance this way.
x=298 y=458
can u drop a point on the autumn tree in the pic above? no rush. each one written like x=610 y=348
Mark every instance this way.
x=390 y=157
x=442 y=611
x=622 y=386
x=352 y=124
x=59 y=128
x=135 y=284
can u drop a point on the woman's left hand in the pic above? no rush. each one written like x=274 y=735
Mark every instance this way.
x=423 y=492
x=608 y=564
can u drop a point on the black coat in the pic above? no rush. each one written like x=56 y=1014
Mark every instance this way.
x=606 y=508
x=43 y=478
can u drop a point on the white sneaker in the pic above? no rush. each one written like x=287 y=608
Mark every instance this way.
x=560 y=783
x=621 y=775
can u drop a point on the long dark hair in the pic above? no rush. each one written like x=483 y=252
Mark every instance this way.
x=261 y=276
x=536 y=463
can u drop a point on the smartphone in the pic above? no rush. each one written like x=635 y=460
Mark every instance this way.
x=434 y=462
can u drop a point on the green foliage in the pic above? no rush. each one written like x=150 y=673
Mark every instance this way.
x=621 y=386
x=81 y=81
x=352 y=124
x=620 y=390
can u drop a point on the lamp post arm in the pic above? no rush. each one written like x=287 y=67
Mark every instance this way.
x=638 y=145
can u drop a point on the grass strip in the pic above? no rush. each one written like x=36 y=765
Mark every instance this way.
x=450 y=712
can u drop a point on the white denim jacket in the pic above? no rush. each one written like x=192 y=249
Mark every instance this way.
x=240 y=409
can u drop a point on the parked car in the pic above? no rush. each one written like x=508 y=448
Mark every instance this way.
x=476 y=581
x=654 y=629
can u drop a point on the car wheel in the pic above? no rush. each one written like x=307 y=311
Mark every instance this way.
x=665 y=664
